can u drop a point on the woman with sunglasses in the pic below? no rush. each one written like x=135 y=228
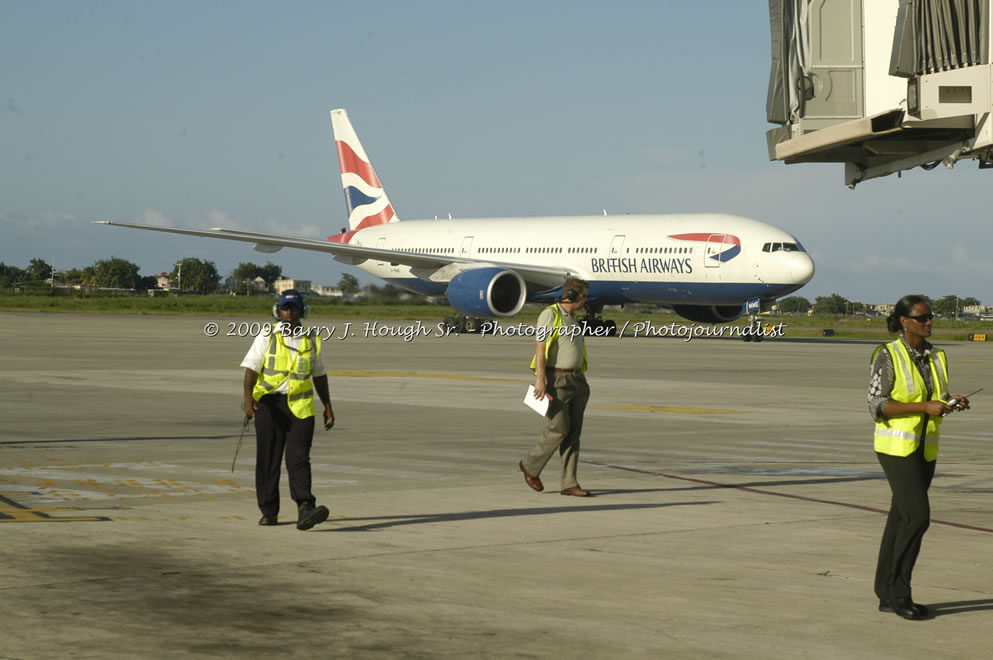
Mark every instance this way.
x=908 y=390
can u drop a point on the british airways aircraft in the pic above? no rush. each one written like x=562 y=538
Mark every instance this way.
x=708 y=267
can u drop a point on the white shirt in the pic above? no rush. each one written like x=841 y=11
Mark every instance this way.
x=260 y=349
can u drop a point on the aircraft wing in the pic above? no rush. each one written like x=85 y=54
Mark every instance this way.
x=431 y=267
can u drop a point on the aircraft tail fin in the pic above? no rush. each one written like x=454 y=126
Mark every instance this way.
x=365 y=198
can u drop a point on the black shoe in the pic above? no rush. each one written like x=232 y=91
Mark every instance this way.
x=904 y=607
x=267 y=520
x=311 y=515
x=887 y=606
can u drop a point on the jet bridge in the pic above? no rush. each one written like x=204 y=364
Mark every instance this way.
x=880 y=85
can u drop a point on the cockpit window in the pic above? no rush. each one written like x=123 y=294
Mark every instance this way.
x=782 y=247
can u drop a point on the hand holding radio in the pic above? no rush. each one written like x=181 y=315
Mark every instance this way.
x=959 y=402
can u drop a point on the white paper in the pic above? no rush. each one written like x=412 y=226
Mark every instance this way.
x=540 y=406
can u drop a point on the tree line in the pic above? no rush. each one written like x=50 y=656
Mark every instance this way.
x=199 y=276
x=836 y=304
x=188 y=274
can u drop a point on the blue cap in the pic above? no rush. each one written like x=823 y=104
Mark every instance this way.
x=291 y=298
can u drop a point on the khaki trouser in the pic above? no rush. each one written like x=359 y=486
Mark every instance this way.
x=570 y=393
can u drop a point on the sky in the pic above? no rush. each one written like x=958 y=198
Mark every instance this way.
x=204 y=114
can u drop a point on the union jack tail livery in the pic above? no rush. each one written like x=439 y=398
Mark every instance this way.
x=365 y=198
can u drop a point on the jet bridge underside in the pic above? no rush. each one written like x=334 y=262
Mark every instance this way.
x=880 y=85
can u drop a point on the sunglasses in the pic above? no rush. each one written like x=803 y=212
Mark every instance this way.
x=923 y=318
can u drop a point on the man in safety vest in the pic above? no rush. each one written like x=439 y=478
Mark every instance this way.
x=278 y=394
x=559 y=363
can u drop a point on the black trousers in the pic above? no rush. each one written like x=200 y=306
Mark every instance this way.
x=910 y=515
x=276 y=429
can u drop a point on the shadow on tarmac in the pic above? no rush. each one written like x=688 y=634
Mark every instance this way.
x=748 y=484
x=132 y=439
x=960 y=606
x=426 y=518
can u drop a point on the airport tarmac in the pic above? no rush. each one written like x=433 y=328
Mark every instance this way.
x=737 y=514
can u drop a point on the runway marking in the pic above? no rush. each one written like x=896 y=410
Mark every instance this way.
x=759 y=491
x=364 y=373
x=11 y=511
x=681 y=410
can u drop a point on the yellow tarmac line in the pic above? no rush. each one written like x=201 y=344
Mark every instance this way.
x=363 y=373
x=680 y=410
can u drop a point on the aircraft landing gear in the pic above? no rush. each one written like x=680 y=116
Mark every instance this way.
x=463 y=323
x=755 y=326
x=595 y=324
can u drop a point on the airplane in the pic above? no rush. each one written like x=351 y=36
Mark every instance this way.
x=708 y=267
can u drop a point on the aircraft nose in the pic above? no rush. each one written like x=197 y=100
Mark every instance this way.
x=801 y=268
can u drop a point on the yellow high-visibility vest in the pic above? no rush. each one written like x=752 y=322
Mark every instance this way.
x=553 y=337
x=282 y=363
x=900 y=436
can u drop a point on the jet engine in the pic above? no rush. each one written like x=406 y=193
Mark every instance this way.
x=709 y=313
x=487 y=292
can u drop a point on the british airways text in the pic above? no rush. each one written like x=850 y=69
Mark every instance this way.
x=632 y=265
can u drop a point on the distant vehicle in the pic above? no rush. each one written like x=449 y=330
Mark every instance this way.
x=706 y=266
